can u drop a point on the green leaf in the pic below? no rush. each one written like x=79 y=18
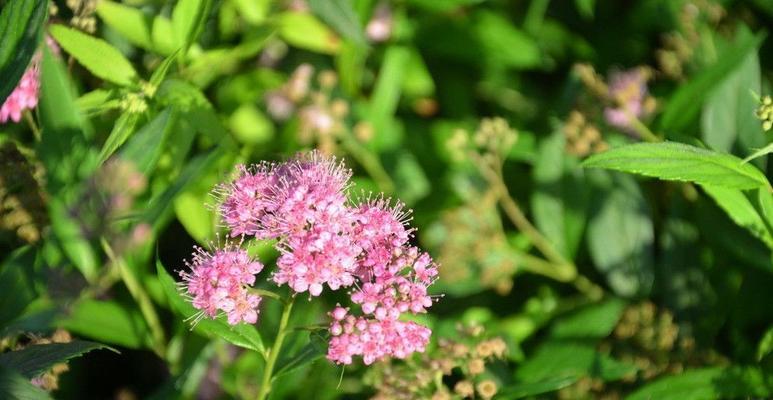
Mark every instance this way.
x=15 y=386
x=13 y=279
x=521 y=390
x=727 y=115
x=75 y=245
x=63 y=148
x=188 y=18
x=559 y=203
x=741 y=210
x=96 y=55
x=557 y=359
x=130 y=22
x=766 y=344
x=685 y=104
x=305 y=31
x=21 y=24
x=680 y=162
x=594 y=321
x=623 y=218
x=122 y=129
x=505 y=45
x=314 y=350
x=706 y=383
x=160 y=204
x=340 y=15
x=145 y=147
x=33 y=360
x=108 y=322
x=242 y=335
x=386 y=95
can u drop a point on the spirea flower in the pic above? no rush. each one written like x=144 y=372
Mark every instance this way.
x=628 y=91
x=24 y=96
x=247 y=200
x=373 y=339
x=218 y=282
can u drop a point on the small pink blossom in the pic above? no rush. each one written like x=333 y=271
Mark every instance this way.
x=375 y=340
x=628 y=90
x=247 y=200
x=218 y=282
x=24 y=96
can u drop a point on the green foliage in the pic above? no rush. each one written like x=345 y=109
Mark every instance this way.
x=681 y=162
x=96 y=55
x=600 y=283
x=36 y=359
x=21 y=25
x=240 y=335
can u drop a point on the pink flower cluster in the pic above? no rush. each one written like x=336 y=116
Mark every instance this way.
x=24 y=96
x=628 y=89
x=218 y=282
x=322 y=240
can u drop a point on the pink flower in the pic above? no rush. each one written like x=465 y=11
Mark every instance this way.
x=247 y=200
x=24 y=96
x=628 y=90
x=380 y=232
x=374 y=339
x=218 y=282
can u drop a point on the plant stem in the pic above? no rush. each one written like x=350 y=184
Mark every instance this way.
x=33 y=125
x=369 y=161
x=143 y=300
x=265 y=385
x=557 y=266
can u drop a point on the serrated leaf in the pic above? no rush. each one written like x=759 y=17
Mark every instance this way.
x=21 y=24
x=15 y=386
x=33 y=360
x=242 y=335
x=96 y=55
x=680 y=162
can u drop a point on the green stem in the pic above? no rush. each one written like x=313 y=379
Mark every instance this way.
x=33 y=125
x=143 y=300
x=557 y=266
x=265 y=385
x=369 y=161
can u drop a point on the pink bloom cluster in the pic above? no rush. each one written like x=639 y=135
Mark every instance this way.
x=24 y=96
x=322 y=240
x=219 y=281
x=628 y=89
x=373 y=339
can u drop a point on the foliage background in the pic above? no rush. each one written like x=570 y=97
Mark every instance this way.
x=673 y=292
